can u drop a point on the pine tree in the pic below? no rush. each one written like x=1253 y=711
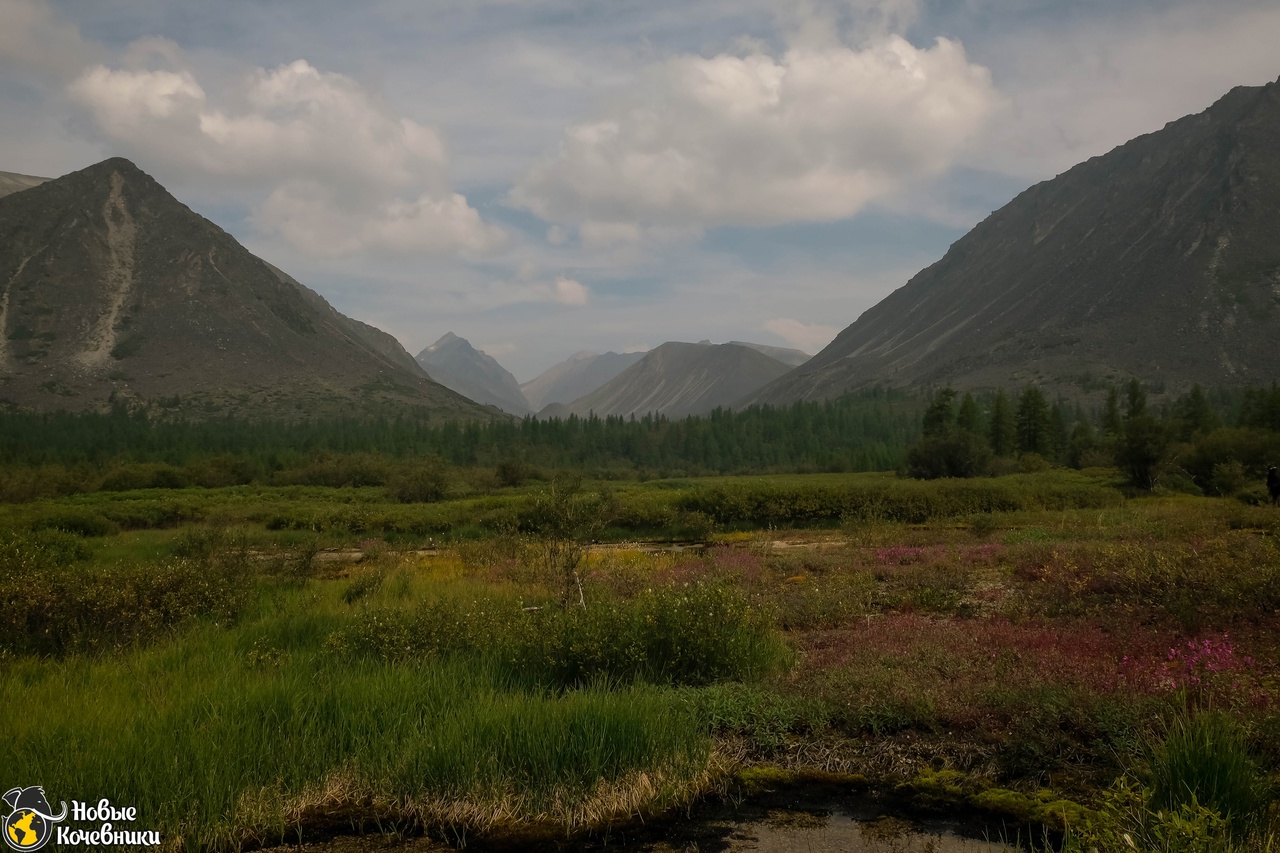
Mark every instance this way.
x=967 y=418
x=1035 y=431
x=1004 y=432
x=1112 y=423
x=940 y=414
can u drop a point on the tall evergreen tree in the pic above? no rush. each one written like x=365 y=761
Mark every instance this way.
x=968 y=417
x=941 y=413
x=1112 y=423
x=1195 y=416
x=1035 y=430
x=1004 y=430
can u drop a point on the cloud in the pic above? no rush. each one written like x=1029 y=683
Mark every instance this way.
x=814 y=135
x=1130 y=72
x=32 y=37
x=570 y=292
x=349 y=174
x=809 y=337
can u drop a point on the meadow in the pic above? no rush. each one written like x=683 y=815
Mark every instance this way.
x=248 y=664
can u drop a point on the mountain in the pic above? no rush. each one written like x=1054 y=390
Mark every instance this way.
x=379 y=341
x=113 y=290
x=455 y=364
x=678 y=379
x=1158 y=260
x=576 y=376
x=12 y=182
x=789 y=357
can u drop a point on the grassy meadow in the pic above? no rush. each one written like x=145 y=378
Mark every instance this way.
x=253 y=663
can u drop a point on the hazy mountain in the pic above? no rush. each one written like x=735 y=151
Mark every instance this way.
x=110 y=288
x=790 y=357
x=12 y=182
x=1159 y=260
x=678 y=379
x=576 y=376
x=455 y=364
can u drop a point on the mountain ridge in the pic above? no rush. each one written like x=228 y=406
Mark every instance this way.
x=576 y=376
x=1156 y=260
x=680 y=379
x=116 y=292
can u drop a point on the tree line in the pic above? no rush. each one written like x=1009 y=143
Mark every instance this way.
x=1211 y=441
x=866 y=431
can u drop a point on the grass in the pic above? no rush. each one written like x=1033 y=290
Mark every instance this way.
x=1028 y=635
x=226 y=736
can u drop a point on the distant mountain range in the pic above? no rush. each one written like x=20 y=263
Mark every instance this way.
x=12 y=182
x=1158 y=260
x=578 y=375
x=113 y=290
x=677 y=380
x=455 y=364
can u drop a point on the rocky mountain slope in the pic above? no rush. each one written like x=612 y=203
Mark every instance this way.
x=1158 y=260
x=789 y=357
x=12 y=182
x=113 y=290
x=679 y=379
x=576 y=376
x=454 y=363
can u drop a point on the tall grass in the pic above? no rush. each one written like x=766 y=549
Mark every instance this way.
x=694 y=634
x=1204 y=760
x=227 y=737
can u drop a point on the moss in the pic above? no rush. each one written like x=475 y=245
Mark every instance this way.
x=763 y=777
x=951 y=790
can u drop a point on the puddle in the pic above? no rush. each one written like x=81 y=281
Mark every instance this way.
x=850 y=828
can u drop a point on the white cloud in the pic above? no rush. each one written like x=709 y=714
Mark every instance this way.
x=570 y=292
x=349 y=174
x=814 y=135
x=32 y=37
x=1083 y=89
x=809 y=337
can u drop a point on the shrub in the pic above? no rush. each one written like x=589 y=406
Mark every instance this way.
x=145 y=476
x=511 y=472
x=81 y=523
x=953 y=452
x=54 y=606
x=422 y=481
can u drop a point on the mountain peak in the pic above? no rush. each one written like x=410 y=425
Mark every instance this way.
x=456 y=364
x=115 y=290
x=445 y=339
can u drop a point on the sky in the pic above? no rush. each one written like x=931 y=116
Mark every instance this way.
x=548 y=176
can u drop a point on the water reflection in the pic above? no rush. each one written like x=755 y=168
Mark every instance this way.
x=776 y=830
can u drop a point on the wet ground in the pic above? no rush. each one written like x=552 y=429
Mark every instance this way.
x=775 y=823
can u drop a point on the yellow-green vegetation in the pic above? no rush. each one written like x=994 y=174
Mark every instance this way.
x=1034 y=648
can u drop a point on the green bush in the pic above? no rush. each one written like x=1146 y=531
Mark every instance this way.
x=55 y=604
x=79 y=522
x=422 y=481
x=127 y=478
x=952 y=452
x=912 y=502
